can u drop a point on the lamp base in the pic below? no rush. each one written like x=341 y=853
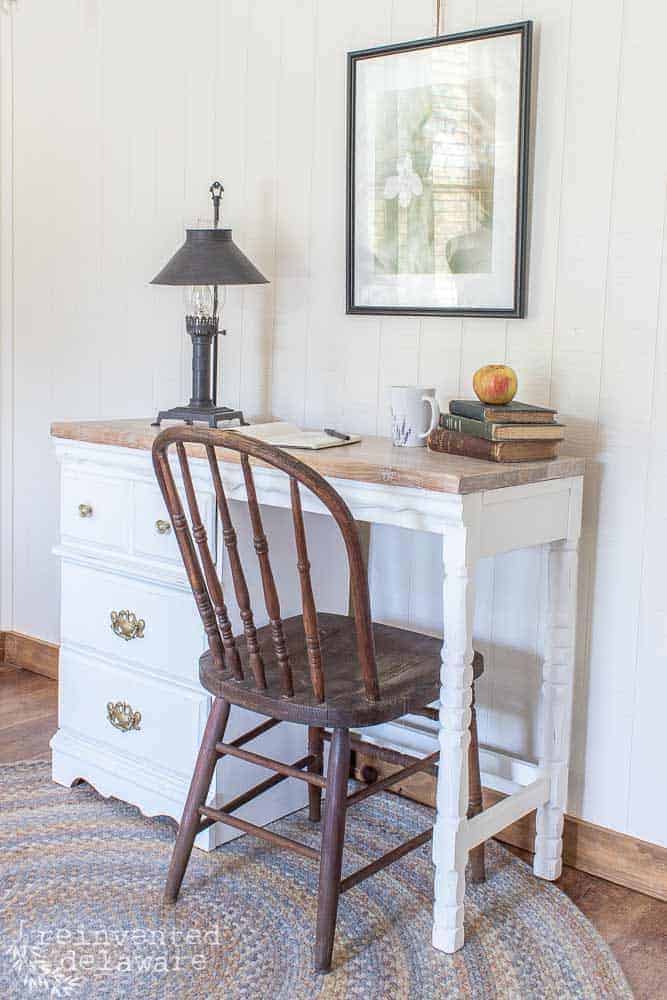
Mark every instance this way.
x=210 y=415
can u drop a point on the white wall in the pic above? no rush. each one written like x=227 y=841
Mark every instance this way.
x=123 y=113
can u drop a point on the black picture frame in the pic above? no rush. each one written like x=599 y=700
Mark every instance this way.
x=518 y=309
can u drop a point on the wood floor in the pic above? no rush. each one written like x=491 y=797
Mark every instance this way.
x=635 y=926
x=28 y=714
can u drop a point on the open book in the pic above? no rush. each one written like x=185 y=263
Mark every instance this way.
x=285 y=435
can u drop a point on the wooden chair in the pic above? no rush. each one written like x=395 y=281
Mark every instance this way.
x=331 y=673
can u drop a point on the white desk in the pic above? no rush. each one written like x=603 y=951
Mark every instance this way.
x=480 y=509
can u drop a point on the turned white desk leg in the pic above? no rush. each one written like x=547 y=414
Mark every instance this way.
x=556 y=703
x=450 y=852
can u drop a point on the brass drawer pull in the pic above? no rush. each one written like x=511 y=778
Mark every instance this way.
x=121 y=716
x=162 y=527
x=85 y=510
x=127 y=625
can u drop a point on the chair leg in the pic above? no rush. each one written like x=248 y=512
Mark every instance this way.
x=333 y=836
x=477 y=867
x=199 y=786
x=315 y=746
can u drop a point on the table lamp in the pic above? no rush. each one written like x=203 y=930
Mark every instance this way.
x=208 y=259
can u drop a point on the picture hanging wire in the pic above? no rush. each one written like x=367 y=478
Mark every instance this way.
x=438 y=16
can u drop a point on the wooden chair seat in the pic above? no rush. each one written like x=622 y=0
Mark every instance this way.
x=408 y=666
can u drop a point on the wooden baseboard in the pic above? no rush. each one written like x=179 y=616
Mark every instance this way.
x=613 y=856
x=23 y=651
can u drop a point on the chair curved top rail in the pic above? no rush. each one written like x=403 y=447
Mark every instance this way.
x=203 y=576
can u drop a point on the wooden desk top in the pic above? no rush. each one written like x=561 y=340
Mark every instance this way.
x=373 y=460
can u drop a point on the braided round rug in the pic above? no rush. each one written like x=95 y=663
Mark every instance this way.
x=81 y=915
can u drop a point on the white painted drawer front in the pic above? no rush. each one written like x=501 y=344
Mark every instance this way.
x=172 y=717
x=105 y=505
x=149 y=509
x=173 y=637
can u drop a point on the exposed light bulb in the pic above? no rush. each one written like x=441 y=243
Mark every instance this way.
x=199 y=301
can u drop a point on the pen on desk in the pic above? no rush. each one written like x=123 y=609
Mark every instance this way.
x=336 y=434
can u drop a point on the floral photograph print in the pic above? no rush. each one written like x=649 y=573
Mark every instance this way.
x=437 y=186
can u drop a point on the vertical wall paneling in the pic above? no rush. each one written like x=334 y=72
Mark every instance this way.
x=261 y=103
x=7 y=442
x=232 y=124
x=299 y=82
x=178 y=192
x=647 y=811
x=342 y=354
x=107 y=153
x=585 y=216
x=624 y=431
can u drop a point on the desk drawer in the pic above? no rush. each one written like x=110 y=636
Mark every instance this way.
x=152 y=532
x=95 y=509
x=155 y=626
x=152 y=719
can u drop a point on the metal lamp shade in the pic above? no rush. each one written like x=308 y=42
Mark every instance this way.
x=209 y=257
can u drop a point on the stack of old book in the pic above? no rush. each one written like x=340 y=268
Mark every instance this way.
x=515 y=432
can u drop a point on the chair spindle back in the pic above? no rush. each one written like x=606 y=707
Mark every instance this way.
x=205 y=580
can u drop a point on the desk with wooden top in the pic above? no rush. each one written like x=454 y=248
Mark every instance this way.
x=109 y=528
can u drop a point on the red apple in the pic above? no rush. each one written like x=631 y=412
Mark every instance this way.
x=495 y=384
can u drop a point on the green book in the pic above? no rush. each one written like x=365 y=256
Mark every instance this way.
x=501 y=432
x=510 y=413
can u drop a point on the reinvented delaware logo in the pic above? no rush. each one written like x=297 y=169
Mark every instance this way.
x=36 y=974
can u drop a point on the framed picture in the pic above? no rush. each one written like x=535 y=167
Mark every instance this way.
x=438 y=138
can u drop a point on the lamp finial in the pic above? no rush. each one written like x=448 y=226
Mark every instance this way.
x=217 y=192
